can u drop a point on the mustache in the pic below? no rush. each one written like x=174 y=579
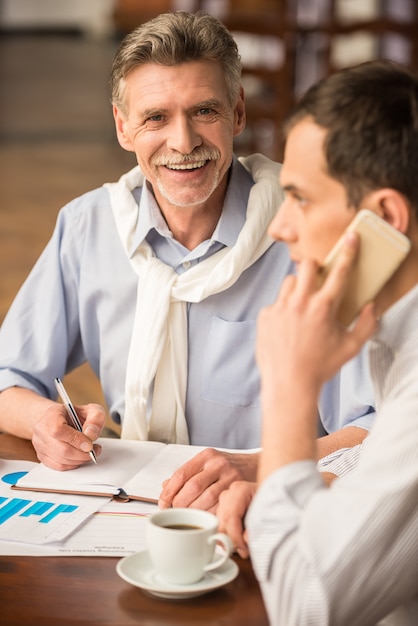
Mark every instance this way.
x=204 y=154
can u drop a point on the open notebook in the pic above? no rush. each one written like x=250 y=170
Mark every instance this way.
x=126 y=470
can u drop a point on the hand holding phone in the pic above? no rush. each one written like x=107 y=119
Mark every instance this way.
x=382 y=250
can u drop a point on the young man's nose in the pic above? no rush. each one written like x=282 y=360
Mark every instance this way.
x=281 y=227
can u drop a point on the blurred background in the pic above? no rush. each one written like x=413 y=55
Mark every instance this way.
x=56 y=130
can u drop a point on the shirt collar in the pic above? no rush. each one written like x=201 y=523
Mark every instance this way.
x=400 y=322
x=229 y=225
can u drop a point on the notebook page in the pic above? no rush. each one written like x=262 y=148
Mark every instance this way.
x=147 y=483
x=120 y=459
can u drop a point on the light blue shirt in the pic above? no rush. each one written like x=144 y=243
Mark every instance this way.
x=78 y=305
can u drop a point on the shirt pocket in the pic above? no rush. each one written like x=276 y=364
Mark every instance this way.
x=230 y=374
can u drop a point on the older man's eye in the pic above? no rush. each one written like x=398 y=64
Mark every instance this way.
x=205 y=112
x=155 y=118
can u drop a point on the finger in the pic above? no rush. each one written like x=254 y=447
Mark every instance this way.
x=93 y=417
x=207 y=499
x=233 y=504
x=63 y=457
x=235 y=530
x=172 y=486
x=61 y=447
x=77 y=440
x=365 y=326
x=288 y=286
x=336 y=282
x=307 y=281
x=191 y=480
x=63 y=461
x=243 y=551
x=55 y=426
x=197 y=492
x=58 y=464
x=202 y=490
x=353 y=339
x=178 y=491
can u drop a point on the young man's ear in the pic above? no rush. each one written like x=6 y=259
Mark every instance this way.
x=121 y=130
x=392 y=206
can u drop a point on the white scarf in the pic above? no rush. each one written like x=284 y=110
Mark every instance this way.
x=159 y=338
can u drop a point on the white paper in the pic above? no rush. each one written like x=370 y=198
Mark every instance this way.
x=148 y=482
x=117 y=529
x=31 y=517
x=140 y=467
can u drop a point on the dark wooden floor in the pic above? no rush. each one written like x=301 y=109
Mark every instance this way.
x=56 y=142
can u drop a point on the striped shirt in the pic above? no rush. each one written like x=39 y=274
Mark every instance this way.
x=342 y=461
x=349 y=554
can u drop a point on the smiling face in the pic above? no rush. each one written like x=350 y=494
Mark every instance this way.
x=315 y=211
x=179 y=123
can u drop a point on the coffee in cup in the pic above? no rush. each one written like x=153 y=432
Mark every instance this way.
x=181 y=543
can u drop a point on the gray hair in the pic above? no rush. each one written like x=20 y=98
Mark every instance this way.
x=174 y=38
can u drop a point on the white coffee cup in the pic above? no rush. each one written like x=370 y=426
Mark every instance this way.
x=181 y=544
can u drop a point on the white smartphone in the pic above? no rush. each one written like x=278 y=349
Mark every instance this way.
x=382 y=250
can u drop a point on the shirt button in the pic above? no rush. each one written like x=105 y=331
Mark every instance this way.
x=186 y=265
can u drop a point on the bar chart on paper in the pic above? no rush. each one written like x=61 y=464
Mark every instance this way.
x=39 y=518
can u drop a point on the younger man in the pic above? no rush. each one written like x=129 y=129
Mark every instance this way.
x=347 y=554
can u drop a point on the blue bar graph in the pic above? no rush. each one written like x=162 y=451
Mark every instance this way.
x=60 y=508
x=14 y=507
x=11 y=508
x=38 y=518
x=37 y=508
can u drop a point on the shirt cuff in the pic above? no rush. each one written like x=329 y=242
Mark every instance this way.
x=275 y=511
x=341 y=462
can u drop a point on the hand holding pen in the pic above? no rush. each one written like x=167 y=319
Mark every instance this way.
x=71 y=412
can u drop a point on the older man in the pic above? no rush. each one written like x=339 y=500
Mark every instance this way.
x=157 y=280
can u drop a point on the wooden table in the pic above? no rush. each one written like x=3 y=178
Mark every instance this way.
x=76 y=591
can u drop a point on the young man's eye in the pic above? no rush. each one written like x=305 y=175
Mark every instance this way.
x=295 y=198
x=300 y=200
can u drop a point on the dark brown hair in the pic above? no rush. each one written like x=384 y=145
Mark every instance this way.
x=371 y=114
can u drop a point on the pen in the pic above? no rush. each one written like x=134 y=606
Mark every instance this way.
x=71 y=411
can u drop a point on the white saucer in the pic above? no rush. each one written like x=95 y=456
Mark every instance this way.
x=137 y=569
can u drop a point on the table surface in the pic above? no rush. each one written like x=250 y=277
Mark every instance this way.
x=76 y=591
